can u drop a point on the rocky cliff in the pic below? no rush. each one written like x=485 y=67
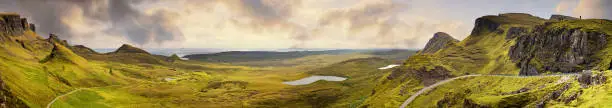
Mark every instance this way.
x=437 y=42
x=13 y=25
x=563 y=49
x=561 y=18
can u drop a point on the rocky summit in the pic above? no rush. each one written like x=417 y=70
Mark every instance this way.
x=12 y=24
x=437 y=42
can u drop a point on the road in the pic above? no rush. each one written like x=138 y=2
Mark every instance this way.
x=415 y=95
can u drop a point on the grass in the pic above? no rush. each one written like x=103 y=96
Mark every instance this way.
x=489 y=91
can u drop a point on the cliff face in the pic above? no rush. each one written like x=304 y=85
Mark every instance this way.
x=437 y=42
x=14 y=25
x=557 y=50
x=561 y=18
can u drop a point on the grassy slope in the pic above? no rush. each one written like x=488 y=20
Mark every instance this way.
x=244 y=86
x=36 y=78
x=487 y=90
x=495 y=91
x=496 y=61
x=480 y=53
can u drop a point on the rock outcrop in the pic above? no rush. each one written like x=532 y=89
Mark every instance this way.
x=54 y=39
x=557 y=50
x=561 y=18
x=437 y=42
x=12 y=24
x=125 y=48
x=484 y=24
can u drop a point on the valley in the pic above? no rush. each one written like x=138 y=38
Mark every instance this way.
x=508 y=60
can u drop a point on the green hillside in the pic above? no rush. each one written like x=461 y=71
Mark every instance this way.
x=505 y=44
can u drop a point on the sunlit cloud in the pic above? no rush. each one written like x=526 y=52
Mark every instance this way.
x=274 y=23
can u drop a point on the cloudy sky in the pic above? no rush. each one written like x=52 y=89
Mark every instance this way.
x=276 y=23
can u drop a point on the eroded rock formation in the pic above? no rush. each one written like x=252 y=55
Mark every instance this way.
x=557 y=50
x=13 y=25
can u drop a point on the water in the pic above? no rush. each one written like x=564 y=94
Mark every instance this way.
x=388 y=67
x=314 y=78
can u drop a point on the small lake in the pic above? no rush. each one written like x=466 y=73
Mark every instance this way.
x=388 y=66
x=314 y=78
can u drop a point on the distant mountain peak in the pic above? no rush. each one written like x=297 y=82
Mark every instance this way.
x=437 y=42
x=125 y=48
x=81 y=49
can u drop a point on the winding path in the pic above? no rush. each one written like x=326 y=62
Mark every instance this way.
x=73 y=91
x=60 y=96
x=415 y=95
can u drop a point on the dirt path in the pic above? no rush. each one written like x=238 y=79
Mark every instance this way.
x=564 y=77
x=73 y=91
x=58 y=97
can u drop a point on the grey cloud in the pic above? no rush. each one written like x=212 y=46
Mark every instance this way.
x=141 y=28
x=594 y=9
x=125 y=19
x=263 y=13
x=380 y=15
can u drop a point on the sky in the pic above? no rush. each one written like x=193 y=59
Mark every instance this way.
x=347 y=24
